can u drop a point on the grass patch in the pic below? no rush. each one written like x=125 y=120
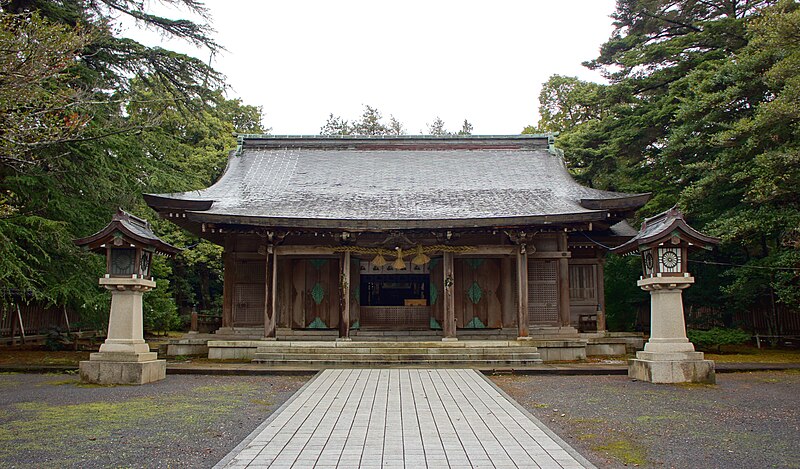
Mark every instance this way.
x=264 y=402
x=654 y=418
x=623 y=450
x=41 y=357
x=694 y=385
x=60 y=382
x=753 y=355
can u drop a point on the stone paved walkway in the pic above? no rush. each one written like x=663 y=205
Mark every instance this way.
x=418 y=418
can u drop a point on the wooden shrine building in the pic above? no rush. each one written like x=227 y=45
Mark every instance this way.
x=451 y=234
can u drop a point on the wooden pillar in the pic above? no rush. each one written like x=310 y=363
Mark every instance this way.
x=344 y=303
x=269 y=293
x=563 y=282
x=509 y=307
x=228 y=280
x=522 y=291
x=601 y=295
x=449 y=322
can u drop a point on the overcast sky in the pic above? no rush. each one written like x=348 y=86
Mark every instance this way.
x=483 y=61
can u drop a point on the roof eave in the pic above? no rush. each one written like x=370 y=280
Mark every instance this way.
x=160 y=246
x=382 y=225
x=161 y=202
x=634 y=201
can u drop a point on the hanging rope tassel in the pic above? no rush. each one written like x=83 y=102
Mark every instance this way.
x=379 y=260
x=421 y=258
x=399 y=264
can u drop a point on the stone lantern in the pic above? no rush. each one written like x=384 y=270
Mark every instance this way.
x=663 y=244
x=129 y=245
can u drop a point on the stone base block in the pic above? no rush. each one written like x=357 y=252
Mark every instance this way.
x=122 y=372
x=672 y=371
x=123 y=357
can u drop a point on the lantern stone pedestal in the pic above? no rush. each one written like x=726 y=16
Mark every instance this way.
x=124 y=357
x=668 y=356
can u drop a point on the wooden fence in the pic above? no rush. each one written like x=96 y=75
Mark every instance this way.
x=35 y=319
x=757 y=320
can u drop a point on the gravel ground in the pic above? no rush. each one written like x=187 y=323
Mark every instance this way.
x=183 y=421
x=746 y=420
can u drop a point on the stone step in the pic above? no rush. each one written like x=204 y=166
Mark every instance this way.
x=460 y=345
x=382 y=362
x=397 y=350
x=395 y=357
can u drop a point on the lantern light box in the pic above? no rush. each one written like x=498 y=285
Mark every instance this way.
x=129 y=244
x=664 y=243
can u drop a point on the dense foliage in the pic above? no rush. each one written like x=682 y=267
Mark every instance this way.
x=371 y=124
x=702 y=109
x=717 y=337
x=89 y=121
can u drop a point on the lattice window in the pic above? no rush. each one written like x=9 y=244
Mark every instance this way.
x=248 y=304
x=542 y=292
x=582 y=282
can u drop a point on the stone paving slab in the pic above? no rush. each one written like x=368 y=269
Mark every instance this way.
x=382 y=418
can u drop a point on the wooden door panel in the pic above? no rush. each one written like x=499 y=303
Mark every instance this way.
x=436 y=293
x=477 y=286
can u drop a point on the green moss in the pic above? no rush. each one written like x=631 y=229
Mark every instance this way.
x=655 y=418
x=264 y=402
x=64 y=428
x=60 y=382
x=694 y=386
x=623 y=450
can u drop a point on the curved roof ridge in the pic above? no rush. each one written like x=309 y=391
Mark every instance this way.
x=289 y=180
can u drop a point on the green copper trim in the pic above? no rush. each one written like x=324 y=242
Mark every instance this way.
x=475 y=293
x=317 y=323
x=318 y=293
x=435 y=324
x=434 y=294
x=475 y=324
x=356 y=325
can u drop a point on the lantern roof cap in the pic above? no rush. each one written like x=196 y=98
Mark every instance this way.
x=663 y=227
x=136 y=231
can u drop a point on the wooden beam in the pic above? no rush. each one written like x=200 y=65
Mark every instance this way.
x=560 y=254
x=601 y=295
x=488 y=250
x=522 y=292
x=275 y=311
x=449 y=321
x=228 y=280
x=304 y=250
x=269 y=294
x=563 y=283
x=344 y=311
x=507 y=292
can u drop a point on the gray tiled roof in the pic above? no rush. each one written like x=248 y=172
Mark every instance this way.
x=343 y=182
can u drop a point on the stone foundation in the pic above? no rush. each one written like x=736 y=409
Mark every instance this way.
x=123 y=368
x=676 y=367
